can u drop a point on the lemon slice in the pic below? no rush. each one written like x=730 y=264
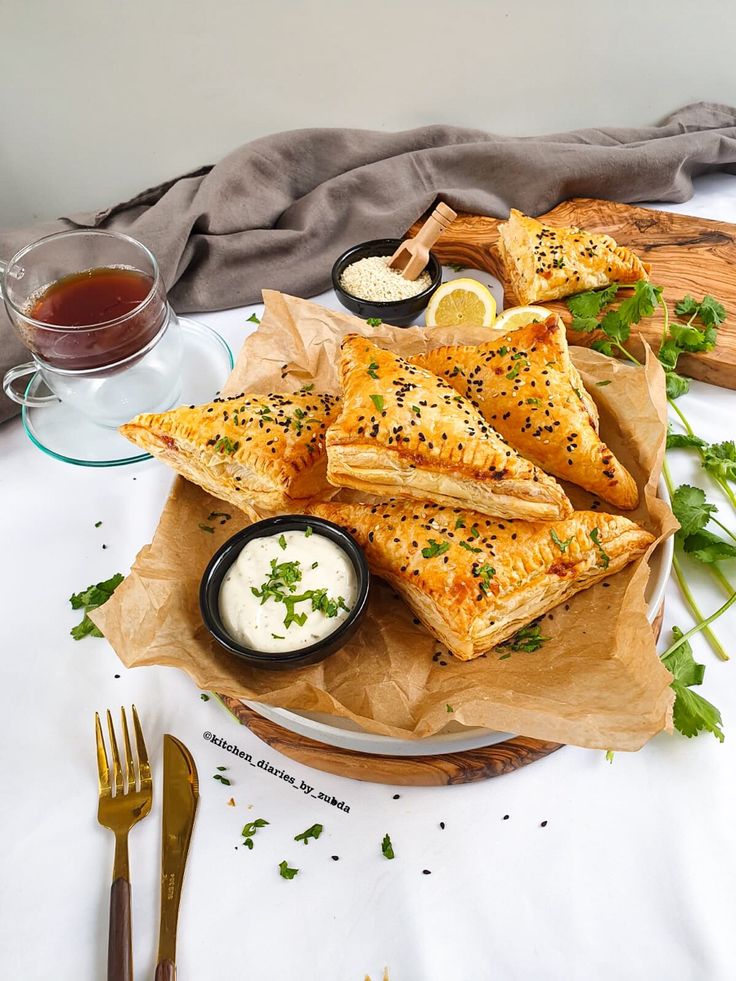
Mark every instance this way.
x=461 y=302
x=516 y=317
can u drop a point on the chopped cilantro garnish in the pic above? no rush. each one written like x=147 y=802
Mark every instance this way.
x=208 y=528
x=285 y=872
x=307 y=532
x=528 y=639
x=282 y=541
x=594 y=536
x=563 y=546
x=374 y=321
x=253 y=319
x=387 y=848
x=435 y=548
x=372 y=369
x=377 y=400
x=226 y=445
x=314 y=832
x=219 y=777
x=460 y=523
x=469 y=548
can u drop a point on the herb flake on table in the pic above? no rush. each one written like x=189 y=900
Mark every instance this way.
x=314 y=832
x=97 y=524
x=204 y=697
x=253 y=319
x=387 y=848
x=220 y=779
x=249 y=831
x=285 y=872
x=90 y=599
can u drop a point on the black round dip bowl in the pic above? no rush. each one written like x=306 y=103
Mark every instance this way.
x=220 y=563
x=398 y=313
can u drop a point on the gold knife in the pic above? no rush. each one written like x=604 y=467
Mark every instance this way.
x=181 y=791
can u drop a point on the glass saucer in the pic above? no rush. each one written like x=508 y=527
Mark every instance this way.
x=69 y=436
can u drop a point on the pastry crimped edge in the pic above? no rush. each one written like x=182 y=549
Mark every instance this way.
x=454 y=472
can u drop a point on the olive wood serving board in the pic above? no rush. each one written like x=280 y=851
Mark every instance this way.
x=406 y=771
x=686 y=255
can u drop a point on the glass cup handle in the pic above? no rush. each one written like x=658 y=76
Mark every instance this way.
x=32 y=401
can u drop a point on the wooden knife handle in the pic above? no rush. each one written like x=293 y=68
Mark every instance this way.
x=165 y=971
x=119 y=942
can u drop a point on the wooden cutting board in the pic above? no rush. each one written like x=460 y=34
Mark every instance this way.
x=686 y=254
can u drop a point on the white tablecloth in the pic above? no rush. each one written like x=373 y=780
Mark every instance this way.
x=632 y=876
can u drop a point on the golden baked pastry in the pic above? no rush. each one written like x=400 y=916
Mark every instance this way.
x=527 y=388
x=404 y=432
x=262 y=453
x=546 y=263
x=474 y=581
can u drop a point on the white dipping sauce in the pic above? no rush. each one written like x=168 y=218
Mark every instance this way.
x=314 y=562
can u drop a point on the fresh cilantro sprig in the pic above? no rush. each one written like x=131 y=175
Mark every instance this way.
x=692 y=714
x=89 y=599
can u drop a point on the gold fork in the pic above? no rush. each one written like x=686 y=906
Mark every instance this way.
x=122 y=804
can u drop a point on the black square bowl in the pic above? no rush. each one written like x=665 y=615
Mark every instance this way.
x=219 y=565
x=397 y=313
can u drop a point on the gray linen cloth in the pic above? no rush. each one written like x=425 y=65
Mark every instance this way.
x=275 y=213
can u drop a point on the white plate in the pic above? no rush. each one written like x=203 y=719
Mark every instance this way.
x=454 y=738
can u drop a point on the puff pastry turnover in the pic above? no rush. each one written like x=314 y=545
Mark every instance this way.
x=527 y=388
x=404 y=432
x=262 y=453
x=474 y=581
x=546 y=263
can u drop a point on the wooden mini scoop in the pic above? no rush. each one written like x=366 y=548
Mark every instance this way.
x=412 y=256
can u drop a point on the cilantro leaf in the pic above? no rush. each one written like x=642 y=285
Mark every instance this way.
x=89 y=599
x=692 y=713
x=603 y=345
x=720 y=459
x=460 y=523
x=691 y=509
x=676 y=385
x=285 y=872
x=435 y=548
x=387 y=848
x=614 y=326
x=373 y=369
x=689 y=338
x=584 y=325
x=682 y=440
x=642 y=303
x=563 y=546
x=594 y=536
x=377 y=400
x=687 y=306
x=528 y=639
x=711 y=312
x=314 y=832
x=708 y=548
x=282 y=541
x=468 y=547
x=590 y=304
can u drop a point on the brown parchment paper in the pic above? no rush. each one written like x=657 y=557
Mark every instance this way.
x=596 y=682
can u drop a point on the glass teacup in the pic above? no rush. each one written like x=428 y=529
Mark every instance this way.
x=91 y=307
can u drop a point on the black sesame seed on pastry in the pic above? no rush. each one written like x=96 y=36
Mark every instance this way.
x=474 y=581
x=527 y=388
x=405 y=432
x=543 y=262
x=262 y=453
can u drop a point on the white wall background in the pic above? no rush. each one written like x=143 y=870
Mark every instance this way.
x=101 y=98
